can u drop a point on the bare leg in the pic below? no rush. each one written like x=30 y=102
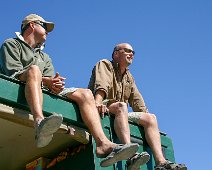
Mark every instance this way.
x=152 y=135
x=121 y=126
x=33 y=92
x=85 y=100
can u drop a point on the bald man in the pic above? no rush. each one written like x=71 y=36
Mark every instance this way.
x=114 y=88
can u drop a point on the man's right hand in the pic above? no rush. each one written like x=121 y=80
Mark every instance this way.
x=102 y=109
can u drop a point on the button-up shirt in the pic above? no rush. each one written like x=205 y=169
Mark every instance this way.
x=106 y=76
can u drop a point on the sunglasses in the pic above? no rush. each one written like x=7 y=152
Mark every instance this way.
x=42 y=24
x=126 y=50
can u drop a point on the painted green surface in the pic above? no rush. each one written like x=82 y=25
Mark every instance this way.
x=12 y=94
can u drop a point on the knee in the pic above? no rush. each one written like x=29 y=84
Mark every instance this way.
x=120 y=108
x=86 y=95
x=121 y=105
x=149 y=120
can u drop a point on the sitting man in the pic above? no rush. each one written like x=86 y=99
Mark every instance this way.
x=22 y=58
x=112 y=81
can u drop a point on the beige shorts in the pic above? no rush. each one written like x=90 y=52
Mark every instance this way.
x=134 y=117
x=67 y=90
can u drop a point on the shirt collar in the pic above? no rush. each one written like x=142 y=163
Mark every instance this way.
x=116 y=66
x=20 y=37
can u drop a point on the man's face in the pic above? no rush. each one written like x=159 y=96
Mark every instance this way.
x=125 y=55
x=40 y=31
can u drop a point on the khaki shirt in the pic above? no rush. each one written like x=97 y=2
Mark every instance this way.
x=16 y=56
x=106 y=76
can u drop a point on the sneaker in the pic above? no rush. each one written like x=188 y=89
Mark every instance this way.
x=170 y=166
x=45 y=129
x=136 y=161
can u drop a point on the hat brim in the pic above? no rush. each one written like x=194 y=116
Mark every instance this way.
x=50 y=26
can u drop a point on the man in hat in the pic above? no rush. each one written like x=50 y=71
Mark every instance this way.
x=22 y=58
x=114 y=88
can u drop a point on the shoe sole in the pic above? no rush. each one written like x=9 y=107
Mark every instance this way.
x=161 y=168
x=173 y=169
x=51 y=125
x=43 y=141
x=143 y=159
x=120 y=155
x=184 y=168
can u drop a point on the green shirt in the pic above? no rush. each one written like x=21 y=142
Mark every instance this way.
x=106 y=76
x=16 y=56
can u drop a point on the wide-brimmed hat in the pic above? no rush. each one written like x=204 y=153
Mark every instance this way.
x=35 y=17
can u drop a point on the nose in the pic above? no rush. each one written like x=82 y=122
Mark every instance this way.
x=131 y=55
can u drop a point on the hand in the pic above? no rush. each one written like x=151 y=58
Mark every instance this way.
x=102 y=109
x=58 y=83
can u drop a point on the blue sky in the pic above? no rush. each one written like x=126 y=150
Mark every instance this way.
x=172 y=65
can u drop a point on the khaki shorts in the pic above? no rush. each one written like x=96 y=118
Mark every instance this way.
x=66 y=91
x=134 y=117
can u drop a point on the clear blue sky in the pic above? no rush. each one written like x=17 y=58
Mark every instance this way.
x=172 y=65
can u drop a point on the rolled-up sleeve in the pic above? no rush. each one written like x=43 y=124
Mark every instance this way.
x=10 y=58
x=101 y=77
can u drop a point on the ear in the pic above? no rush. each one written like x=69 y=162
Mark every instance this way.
x=115 y=55
x=32 y=26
